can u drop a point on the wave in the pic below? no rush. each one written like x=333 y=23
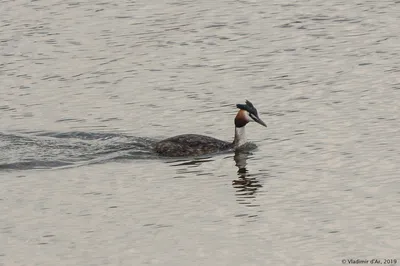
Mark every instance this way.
x=46 y=150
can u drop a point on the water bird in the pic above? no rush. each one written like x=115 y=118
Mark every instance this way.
x=195 y=145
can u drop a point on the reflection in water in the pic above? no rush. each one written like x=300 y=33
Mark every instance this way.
x=194 y=162
x=246 y=186
x=190 y=166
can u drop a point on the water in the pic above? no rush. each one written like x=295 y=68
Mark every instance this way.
x=86 y=88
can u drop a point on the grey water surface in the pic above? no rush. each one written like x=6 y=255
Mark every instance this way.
x=87 y=87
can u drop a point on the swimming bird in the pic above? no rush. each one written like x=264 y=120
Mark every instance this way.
x=194 y=145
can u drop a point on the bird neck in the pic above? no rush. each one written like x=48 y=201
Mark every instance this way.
x=240 y=137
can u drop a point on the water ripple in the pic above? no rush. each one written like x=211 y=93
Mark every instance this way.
x=60 y=149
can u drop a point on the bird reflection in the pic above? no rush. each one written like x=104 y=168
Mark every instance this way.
x=245 y=185
x=190 y=166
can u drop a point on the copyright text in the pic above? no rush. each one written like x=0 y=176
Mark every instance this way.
x=370 y=261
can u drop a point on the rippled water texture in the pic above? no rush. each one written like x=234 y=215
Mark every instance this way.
x=86 y=88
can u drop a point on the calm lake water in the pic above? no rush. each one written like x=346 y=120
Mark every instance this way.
x=86 y=88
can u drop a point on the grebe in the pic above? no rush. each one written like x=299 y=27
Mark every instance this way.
x=194 y=145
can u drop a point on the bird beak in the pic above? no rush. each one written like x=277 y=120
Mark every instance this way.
x=258 y=120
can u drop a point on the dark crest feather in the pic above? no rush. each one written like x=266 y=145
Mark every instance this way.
x=249 y=107
x=249 y=104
